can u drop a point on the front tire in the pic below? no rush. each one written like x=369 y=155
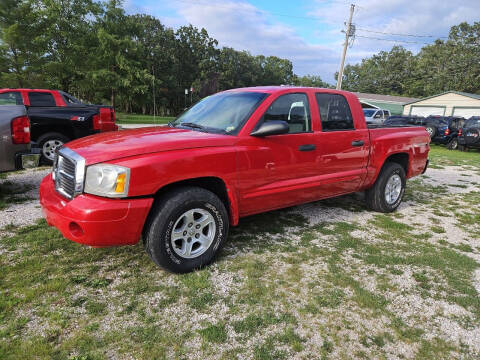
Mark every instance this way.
x=387 y=193
x=186 y=229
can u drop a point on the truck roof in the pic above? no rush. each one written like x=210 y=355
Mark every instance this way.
x=24 y=89
x=275 y=88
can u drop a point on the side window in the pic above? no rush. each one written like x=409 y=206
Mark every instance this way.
x=293 y=109
x=11 y=98
x=70 y=100
x=41 y=99
x=334 y=112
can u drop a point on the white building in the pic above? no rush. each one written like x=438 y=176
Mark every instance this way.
x=450 y=103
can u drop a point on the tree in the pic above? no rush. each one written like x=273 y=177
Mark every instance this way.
x=68 y=36
x=311 y=81
x=116 y=65
x=275 y=71
x=20 y=46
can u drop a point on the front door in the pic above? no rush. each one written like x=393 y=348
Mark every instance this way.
x=276 y=171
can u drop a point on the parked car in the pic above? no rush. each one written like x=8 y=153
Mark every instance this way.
x=444 y=129
x=15 y=150
x=404 y=120
x=236 y=153
x=376 y=116
x=469 y=135
x=57 y=118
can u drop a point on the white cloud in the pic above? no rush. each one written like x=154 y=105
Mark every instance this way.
x=243 y=26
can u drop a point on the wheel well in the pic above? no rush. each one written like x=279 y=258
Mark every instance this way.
x=401 y=159
x=213 y=184
x=64 y=130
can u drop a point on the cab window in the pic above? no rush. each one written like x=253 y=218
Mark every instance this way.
x=334 y=112
x=293 y=109
x=11 y=98
x=41 y=99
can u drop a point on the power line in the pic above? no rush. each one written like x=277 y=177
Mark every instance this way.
x=397 y=34
x=393 y=40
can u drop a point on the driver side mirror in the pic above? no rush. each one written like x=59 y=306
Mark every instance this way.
x=273 y=127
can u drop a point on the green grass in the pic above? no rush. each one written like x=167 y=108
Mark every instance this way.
x=440 y=156
x=281 y=287
x=123 y=118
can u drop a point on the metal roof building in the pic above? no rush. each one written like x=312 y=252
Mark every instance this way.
x=393 y=103
x=450 y=103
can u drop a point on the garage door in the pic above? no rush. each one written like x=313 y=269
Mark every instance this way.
x=427 y=110
x=466 y=112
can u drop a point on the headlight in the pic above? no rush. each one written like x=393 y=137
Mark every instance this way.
x=107 y=180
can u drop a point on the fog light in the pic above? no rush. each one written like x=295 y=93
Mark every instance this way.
x=75 y=229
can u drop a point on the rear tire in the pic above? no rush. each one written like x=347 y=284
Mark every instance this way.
x=48 y=143
x=387 y=193
x=186 y=229
x=453 y=144
x=431 y=130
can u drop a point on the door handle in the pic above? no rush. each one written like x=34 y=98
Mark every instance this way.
x=306 y=147
x=358 y=143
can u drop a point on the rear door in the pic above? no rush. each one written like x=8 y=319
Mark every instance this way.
x=343 y=146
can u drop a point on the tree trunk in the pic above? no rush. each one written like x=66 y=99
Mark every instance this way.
x=112 y=98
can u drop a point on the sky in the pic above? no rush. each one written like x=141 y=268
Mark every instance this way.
x=309 y=33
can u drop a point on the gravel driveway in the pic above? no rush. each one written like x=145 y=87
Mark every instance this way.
x=24 y=213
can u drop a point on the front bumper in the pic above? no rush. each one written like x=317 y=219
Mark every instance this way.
x=27 y=160
x=93 y=220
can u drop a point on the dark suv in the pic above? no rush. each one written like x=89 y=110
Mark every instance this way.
x=444 y=130
x=404 y=120
x=469 y=135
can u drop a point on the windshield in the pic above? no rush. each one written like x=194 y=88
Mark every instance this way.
x=369 y=112
x=472 y=123
x=223 y=112
x=437 y=120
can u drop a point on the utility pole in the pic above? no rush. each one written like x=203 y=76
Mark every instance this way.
x=350 y=32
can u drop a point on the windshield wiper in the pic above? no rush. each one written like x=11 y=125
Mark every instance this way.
x=192 y=125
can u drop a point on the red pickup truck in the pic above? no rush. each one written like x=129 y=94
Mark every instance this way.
x=236 y=153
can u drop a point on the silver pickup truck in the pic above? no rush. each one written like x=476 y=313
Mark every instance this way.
x=15 y=152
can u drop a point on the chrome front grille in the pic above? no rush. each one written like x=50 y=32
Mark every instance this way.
x=68 y=172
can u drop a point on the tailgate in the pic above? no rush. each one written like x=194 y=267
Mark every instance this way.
x=7 y=148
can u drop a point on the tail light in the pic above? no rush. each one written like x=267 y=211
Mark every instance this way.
x=21 y=130
x=105 y=120
x=460 y=132
x=447 y=132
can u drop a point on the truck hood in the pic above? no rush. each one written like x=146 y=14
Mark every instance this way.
x=125 y=143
